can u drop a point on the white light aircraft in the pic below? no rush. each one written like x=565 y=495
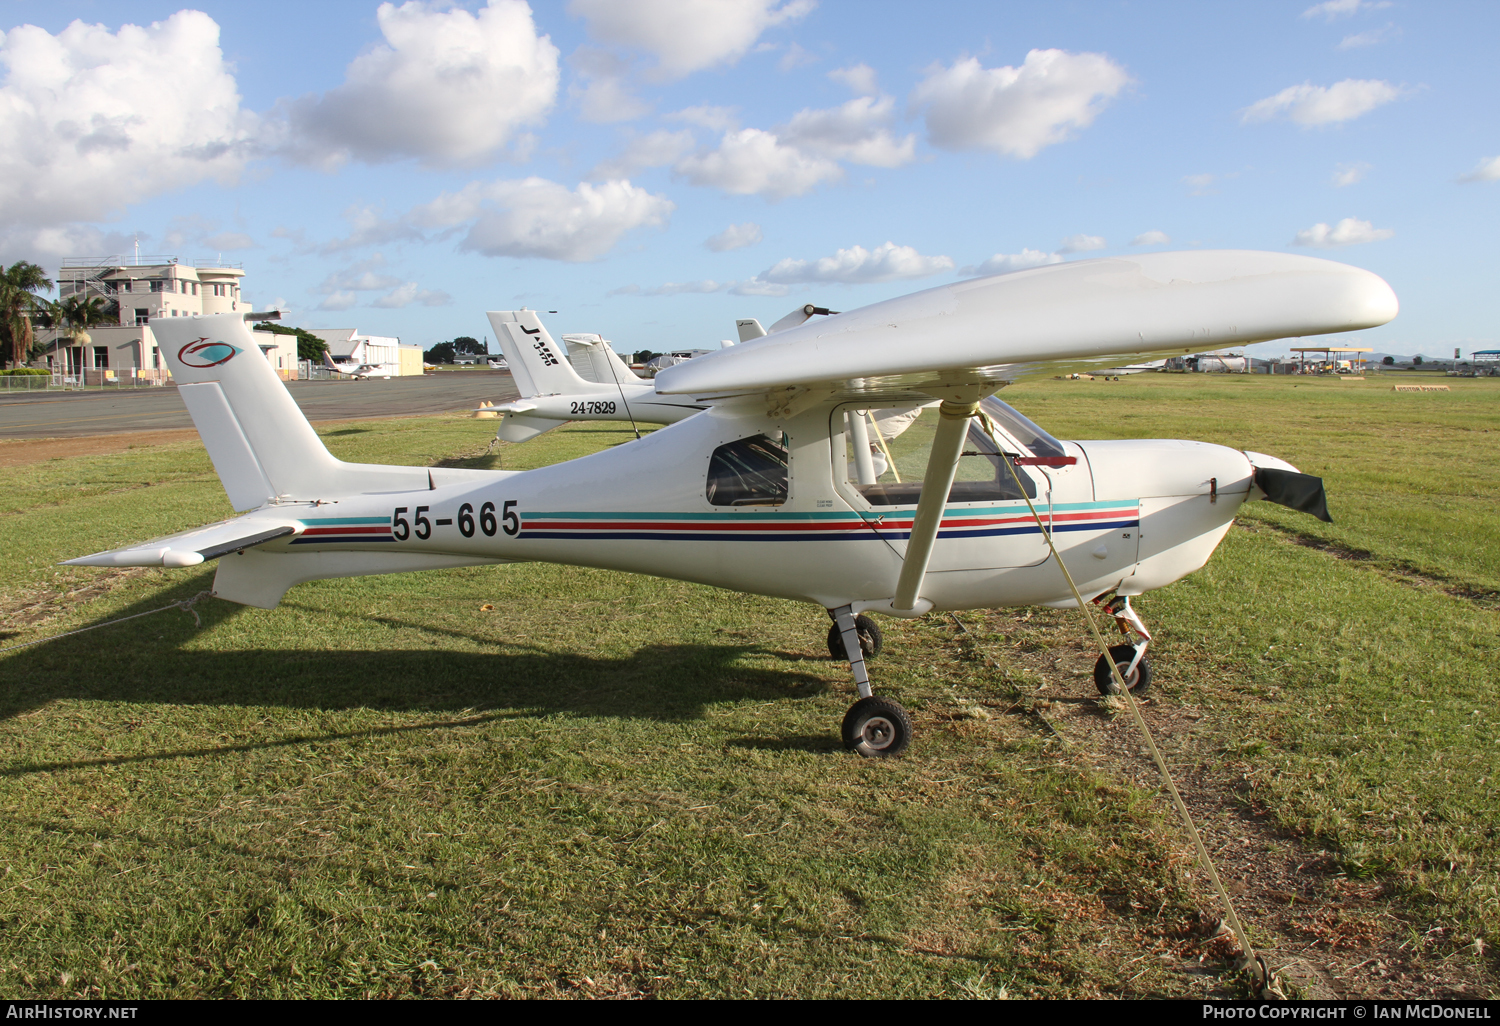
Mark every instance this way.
x=755 y=495
x=359 y=372
x=592 y=383
x=553 y=392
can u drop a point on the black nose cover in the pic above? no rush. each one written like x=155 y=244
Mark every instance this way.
x=1295 y=491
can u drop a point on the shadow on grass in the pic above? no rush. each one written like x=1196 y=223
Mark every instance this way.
x=796 y=743
x=150 y=661
x=281 y=742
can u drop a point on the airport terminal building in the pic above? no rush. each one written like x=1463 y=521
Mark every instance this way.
x=140 y=290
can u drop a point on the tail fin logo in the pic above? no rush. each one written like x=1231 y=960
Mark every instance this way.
x=202 y=353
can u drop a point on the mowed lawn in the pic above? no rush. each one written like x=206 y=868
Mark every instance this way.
x=539 y=780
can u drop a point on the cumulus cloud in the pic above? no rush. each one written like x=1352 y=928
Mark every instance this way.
x=68 y=240
x=736 y=236
x=685 y=35
x=230 y=241
x=1487 y=171
x=1349 y=174
x=676 y=288
x=1348 y=232
x=530 y=217
x=193 y=229
x=755 y=286
x=338 y=301
x=794 y=58
x=792 y=159
x=1202 y=185
x=1016 y=111
x=445 y=86
x=857 y=266
x=716 y=119
x=360 y=277
x=534 y=217
x=1004 y=263
x=859 y=79
x=1332 y=10
x=657 y=149
x=600 y=92
x=1310 y=105
x=855 y=131
x=87 y=126
x=368 y=227
x=1081 y=243
x=752 y=286
x=410 y=293
x=1371 y=37
x=1151 y=238
x=753 y=161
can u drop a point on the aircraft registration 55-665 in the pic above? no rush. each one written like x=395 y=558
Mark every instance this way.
x=771 y=489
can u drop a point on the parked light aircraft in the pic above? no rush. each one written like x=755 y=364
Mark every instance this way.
x=593 y=360
x=755 y=494
x=359 y=372
x=592 y=382
x=553 y=392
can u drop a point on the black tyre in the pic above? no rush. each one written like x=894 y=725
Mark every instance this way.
x=871 y=641
x=877 y=728
x=1138 y=682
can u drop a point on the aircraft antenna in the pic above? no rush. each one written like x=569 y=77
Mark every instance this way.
x=609 y=351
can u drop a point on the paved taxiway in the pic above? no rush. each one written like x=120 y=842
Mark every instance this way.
x=58 y=414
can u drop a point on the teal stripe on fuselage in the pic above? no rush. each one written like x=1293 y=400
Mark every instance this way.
x=322 y=521
x=854 y=517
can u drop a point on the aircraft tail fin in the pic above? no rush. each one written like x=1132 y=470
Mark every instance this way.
x=749 y=328
x=260 y=443
x=538 y=363
x=596 y=360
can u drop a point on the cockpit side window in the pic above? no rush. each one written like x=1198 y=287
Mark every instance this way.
x=899 y=460
x=748 y=472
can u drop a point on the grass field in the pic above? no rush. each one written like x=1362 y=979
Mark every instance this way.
x=537 y=780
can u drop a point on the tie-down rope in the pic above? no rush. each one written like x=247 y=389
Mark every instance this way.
x=1251 y=960
x=183 y=604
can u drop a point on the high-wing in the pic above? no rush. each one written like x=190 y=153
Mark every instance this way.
x=990 y=329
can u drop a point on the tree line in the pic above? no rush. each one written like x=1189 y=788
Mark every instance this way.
x=446 y=352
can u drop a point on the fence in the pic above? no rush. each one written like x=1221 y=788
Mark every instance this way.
x=88 y=377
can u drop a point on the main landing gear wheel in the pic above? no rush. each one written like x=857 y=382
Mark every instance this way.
x=877 y=728
x=1138 y=681
x=871 y=641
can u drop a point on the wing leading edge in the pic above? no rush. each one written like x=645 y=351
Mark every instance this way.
x=988 y=330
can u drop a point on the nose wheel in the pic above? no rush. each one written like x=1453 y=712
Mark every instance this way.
x=1131 y=658
x=877 y=728
x=1136 y=672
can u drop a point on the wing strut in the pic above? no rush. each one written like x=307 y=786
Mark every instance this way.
x=942 y=468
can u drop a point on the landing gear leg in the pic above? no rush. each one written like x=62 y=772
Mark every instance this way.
x=1130 y=658
x=876 y=728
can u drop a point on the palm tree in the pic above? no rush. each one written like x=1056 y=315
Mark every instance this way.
x=19 y=285
x=80 y=313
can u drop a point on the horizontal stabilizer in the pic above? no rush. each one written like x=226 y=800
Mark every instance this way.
x=193 y=547
x=988 y=329
x=523 y=427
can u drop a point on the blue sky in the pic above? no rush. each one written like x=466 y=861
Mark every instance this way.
x=653 y=169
